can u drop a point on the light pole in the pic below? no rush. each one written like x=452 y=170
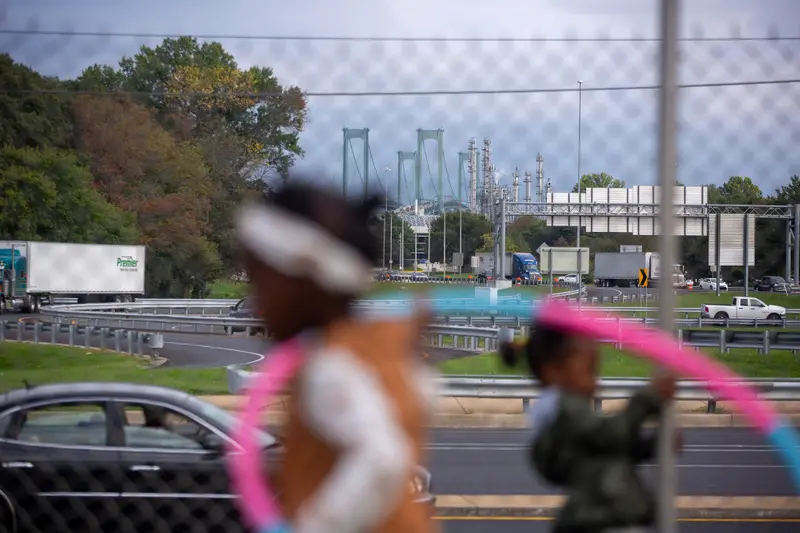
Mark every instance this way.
x=578 y=240
x=386 y=171
x=444 y=236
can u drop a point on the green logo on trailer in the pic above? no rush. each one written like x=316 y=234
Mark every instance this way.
x=127 y=263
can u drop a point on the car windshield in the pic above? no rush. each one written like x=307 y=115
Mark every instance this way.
x=778 y=280
x=224 y=419
x=531 y=267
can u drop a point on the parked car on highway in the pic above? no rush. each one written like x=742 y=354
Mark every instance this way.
x=244 y=308
x=711 y=284
x=101 y=457
x=744 y=308
x=772 y=284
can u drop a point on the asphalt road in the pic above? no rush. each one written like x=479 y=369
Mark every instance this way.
x=715 y=462
x=533 y=525
x=205 y=351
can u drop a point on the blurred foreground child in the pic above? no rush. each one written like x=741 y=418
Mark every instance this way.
x=354 y=430
x=591 y=455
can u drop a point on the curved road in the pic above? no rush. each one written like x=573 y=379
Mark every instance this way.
x=186 y=350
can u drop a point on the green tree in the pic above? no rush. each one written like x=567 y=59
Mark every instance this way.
x=28 y=117
x=49 y=195
x=598 y=181
x=465 y=229
x=738 y=190
x=487 y=244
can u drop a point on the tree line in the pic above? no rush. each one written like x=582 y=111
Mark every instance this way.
x=157 y=151
x=161 y=148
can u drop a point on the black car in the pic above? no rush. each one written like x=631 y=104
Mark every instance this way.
x=120 y=457
x=771 y=284
x=244 y=308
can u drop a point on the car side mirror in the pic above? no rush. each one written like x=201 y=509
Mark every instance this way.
x=233 y=308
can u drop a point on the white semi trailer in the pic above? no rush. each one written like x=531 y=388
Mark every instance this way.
x=612 y=269
x=34 y=273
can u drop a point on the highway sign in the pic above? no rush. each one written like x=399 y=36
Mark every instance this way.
x=643 y=279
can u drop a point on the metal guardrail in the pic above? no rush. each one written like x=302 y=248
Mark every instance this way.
x=526 y=389
x=136 y=316
x=139 y=339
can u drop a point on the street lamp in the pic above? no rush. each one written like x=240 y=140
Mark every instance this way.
x=386 y=171
x=578 y=240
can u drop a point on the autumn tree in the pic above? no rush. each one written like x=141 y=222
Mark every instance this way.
x=243 y=123
x=48 y=195
x=144 y=170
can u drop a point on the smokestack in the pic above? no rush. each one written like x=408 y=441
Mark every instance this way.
x=515 y=184
x=539 y=177
x=488 y=176
x=472 y=168
x=527 y=180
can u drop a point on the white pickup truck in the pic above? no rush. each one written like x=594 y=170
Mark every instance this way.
x=744 y=308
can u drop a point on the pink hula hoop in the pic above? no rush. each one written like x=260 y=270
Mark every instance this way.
x=257 y=500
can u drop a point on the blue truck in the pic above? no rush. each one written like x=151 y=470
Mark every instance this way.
x=517 y=266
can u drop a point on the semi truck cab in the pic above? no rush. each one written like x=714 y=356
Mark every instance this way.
x=525 y=267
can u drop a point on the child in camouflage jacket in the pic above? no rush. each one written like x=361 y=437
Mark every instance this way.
x=591 y=455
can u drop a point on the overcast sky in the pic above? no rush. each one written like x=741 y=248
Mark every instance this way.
x=742 y=130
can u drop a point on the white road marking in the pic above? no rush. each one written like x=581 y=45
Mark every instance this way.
x=259 y=356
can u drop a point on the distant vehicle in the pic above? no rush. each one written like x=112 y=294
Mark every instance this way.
x=36 y=273
x=711 y=284
x=419 y=276
x=244 y=308
x=67 y=447
x=744 y=308
x=772 y=284
x=520 y=266
x=621 y=269
x=569 y=279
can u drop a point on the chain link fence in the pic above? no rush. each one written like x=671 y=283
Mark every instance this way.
x=168 y=133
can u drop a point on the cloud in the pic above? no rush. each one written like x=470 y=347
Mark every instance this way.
x=724 y=131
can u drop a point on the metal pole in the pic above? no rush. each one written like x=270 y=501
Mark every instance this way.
x=502 y=257
x=796 y=243
x=402 y=244
x=788 y=249
x=746 y=233
x=13 y=272
x=580 y=113
x=391 y=241
x=460 y=236
x=550 y=267
x=717 y=245
x=385 y=212
x=444 y=238
x=668 y=246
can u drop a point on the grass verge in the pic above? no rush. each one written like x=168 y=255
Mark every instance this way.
x=746 y=363
x=44 y=363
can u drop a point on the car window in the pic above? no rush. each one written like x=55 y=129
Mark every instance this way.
x=756 y=303
x=64 y=424
x=744 y=302
x=156 y=427
x=240 y=304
